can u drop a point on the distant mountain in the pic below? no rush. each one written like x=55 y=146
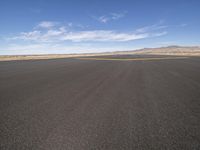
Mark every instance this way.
x=170 y=50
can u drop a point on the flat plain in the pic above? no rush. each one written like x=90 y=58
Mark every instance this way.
x=107 y=102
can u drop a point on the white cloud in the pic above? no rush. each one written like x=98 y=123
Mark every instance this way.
x=51 y=33
x=182 y=25
x=70 y=24
x=32 y=35
x=110 y=17
x=151 y=28
x=103 y=19
x=159 y=34
x=47 y=24
x=102 y=36
x=59 y=38
x=158 y=27
x=60 y=34
x=76 y=26
x=80 y=36
x=154 y=27
x=116 y=16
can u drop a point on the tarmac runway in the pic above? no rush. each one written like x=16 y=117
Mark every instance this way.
x=101 y=103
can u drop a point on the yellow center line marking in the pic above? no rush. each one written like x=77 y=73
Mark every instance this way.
x=133 y=59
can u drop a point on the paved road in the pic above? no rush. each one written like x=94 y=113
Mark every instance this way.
x=73 y=104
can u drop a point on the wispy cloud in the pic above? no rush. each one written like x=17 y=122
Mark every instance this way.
x=159 y=34
x=116 y=16
x=59 y=38
x=102 y=36
x=110 y=17
x=47 y=24
x=60 y=34
x=182 y=25
x=103 y=19
x=158 y=26
x=76 y=25
x=80 y=36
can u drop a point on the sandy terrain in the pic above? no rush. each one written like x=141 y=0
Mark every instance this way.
x=40 y=57
x=171 y=50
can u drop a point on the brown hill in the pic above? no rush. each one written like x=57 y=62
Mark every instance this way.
x=171 y=50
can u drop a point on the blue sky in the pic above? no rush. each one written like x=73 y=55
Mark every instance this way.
x=82 y=26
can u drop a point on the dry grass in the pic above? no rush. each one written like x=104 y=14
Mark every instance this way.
x=41 y=57
x=172 y=50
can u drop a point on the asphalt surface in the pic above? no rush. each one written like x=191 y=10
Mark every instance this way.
x=74 y=104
